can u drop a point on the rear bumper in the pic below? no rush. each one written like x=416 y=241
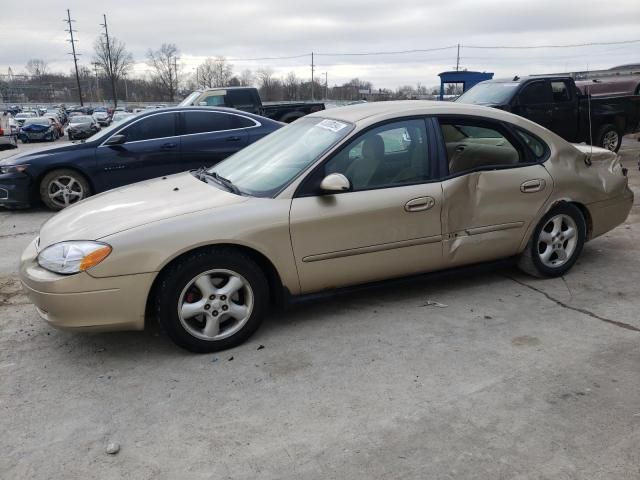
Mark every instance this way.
x=609 y=214
x=82 y=302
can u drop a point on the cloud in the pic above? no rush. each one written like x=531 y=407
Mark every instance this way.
x=250 y=29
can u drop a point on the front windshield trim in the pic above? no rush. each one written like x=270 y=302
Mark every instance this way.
x=350 y=127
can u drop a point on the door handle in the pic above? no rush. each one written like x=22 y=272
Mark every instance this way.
x=168 y=146
x=419 y=204
x=532 y=186
x=233 y=139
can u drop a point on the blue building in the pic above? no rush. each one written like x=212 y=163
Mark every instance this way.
x=465 y=77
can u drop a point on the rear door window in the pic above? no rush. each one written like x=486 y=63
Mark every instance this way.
x=204 y=122
x=560 y=91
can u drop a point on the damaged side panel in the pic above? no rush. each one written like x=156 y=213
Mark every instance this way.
x=485 y=214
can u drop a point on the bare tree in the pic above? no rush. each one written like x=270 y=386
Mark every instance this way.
x=120 y=63
x=291 y=86
x=246 y=78
x=36 y=67
x=166 y=69
x=223 y=72
x=206 y=73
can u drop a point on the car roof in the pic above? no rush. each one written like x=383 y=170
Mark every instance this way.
x=154 y=111
x=378 y=110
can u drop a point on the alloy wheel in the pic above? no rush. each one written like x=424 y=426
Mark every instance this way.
x=557 y=241
x=65 y=190
x=216 y=304
x=610 y=140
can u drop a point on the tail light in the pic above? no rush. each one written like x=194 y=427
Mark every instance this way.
x=1 y=132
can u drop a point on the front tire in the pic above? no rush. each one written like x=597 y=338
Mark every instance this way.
x=62 y=188
x=609 y=137
x=556 y=243
x=212 y=300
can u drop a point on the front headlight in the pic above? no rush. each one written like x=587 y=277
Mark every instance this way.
x=73 y=257
x=13 y=169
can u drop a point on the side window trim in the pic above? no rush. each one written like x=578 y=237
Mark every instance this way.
x=525 y=156
x=256 y=123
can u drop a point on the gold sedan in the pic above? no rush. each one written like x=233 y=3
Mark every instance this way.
x=341 y=197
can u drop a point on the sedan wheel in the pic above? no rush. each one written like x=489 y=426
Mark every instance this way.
x=556 y=242
x=211 y=299
x=62 y=188
x=215 y=304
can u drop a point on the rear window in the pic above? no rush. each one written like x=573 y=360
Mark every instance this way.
x=537 y=146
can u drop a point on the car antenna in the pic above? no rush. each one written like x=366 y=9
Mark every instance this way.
x=516 y=78
x=587 y=160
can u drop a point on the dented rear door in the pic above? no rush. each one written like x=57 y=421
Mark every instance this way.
x=487 y=208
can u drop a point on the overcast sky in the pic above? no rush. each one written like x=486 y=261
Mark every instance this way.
x=266 y=28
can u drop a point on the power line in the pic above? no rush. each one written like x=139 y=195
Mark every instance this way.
x=436 y=49
x=573 y=45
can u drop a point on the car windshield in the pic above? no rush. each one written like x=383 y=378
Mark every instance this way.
x=81 y=119
x=265 y=167
x=489 y=93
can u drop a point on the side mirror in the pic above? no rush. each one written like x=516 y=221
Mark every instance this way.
x=335 y=182
x=116 y=140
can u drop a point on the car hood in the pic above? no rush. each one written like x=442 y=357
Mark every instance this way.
x=134 y=205
x=25 y=158
x=80 y=125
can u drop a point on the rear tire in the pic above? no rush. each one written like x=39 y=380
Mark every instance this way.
x=609 y=137
x=555 y=244
x=192 y=307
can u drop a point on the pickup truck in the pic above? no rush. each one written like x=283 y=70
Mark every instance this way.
x=248 y=99
x=556 y=103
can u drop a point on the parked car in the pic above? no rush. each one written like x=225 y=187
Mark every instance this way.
x=82 y=126
x=371 y=192
x=147 y=145
x=8 y=131
x=102 y=116
x=557 y=104
x=38 y=128
x=120 y=116
x=22 y=116
x=56 y=123
x=248 y=99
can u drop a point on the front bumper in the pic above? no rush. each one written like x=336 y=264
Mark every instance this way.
x=83 y=302
x=608 y=214
x=15 y=190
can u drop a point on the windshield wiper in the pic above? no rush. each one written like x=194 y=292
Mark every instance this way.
x=202 y=174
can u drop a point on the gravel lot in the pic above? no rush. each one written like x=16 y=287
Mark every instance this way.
x=514 y=378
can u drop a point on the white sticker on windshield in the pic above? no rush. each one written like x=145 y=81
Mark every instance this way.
x=332 y=125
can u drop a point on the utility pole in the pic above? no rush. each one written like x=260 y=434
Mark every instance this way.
x=326 y=85
x=312 y=68
x=73 y=52
x=110 y=61
x=95 y=70
x=458 y=59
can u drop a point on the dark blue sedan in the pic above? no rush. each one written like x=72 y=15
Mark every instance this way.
x=151 y=144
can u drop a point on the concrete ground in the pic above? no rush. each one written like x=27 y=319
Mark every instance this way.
x=516 y=378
